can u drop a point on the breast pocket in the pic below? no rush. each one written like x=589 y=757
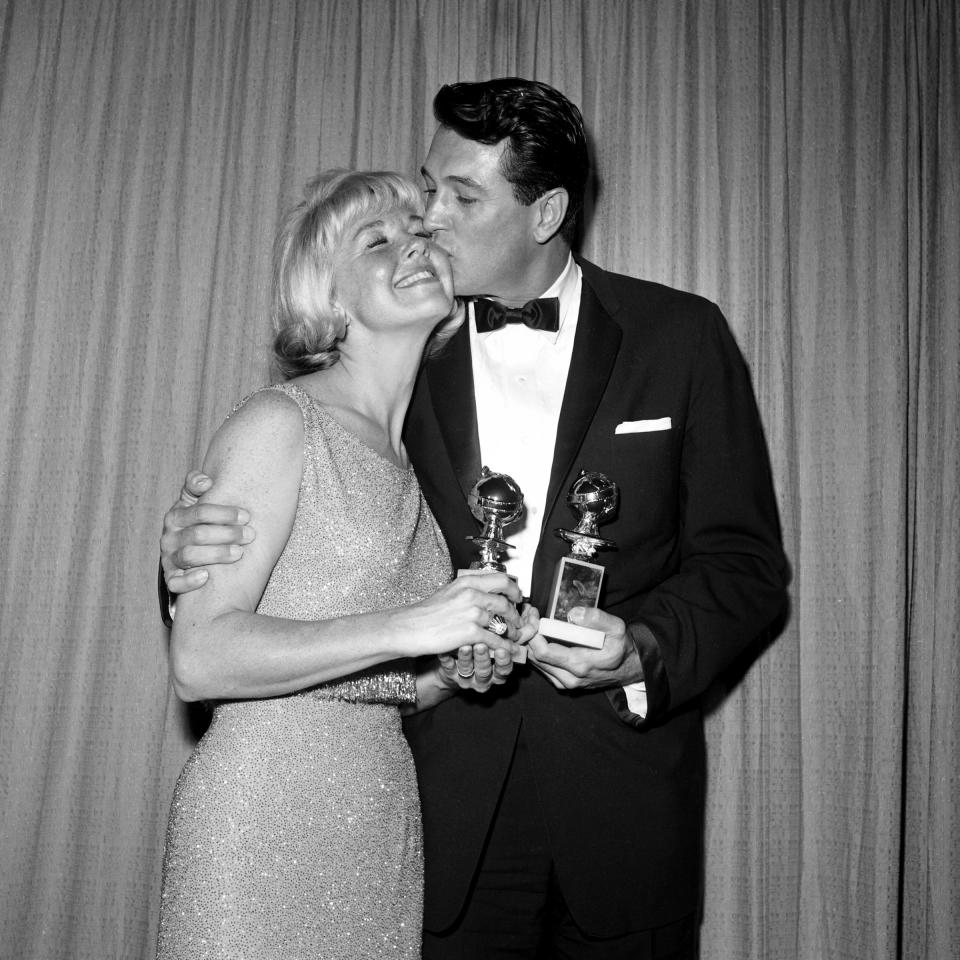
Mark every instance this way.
x=645 y=465
x=656 y=425
x=643 y=448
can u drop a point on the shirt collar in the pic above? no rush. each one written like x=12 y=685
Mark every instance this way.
x=566 y=288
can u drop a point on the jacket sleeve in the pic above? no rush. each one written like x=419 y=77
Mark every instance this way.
x=730 y=583
x=164 y=599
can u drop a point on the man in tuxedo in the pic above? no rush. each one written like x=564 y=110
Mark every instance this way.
x=563 y=810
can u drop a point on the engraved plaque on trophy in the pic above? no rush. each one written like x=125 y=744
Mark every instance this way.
x=496 y=501
x=578 y=579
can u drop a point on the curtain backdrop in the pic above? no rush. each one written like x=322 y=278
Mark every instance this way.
x=794 y=160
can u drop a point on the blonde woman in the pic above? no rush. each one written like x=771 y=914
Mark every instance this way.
x=295 y=826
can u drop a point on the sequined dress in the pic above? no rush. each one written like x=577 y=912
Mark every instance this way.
x=295 y=825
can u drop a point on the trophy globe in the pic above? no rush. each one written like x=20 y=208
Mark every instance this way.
x=594 y=498
x=496 y=501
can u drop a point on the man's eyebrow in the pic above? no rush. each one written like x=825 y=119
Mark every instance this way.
x=464 y=181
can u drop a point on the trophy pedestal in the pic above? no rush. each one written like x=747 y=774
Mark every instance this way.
x=576 y=583
x=571 y=633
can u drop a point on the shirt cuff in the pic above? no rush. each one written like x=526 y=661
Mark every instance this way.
x=636 y=703
x=636 y=694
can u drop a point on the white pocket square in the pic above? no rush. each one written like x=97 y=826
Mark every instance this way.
x=644 y=426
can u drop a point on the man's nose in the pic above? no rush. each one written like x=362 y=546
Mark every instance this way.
x=433 y=218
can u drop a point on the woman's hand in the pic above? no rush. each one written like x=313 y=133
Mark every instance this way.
x=475 y=668
x=487 y=659
x=457 y=615
x=478 y=667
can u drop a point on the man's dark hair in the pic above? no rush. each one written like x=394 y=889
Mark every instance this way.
x=547 y=148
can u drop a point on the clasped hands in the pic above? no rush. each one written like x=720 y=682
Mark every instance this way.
x=616 y=663
x=196 y=534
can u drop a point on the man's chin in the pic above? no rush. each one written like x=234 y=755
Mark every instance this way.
x=464 y=286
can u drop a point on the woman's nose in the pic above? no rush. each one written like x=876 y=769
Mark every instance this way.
x=417 y=245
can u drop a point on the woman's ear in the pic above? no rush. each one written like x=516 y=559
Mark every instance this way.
x=343 y=319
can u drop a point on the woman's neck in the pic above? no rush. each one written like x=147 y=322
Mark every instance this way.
x=368 y=390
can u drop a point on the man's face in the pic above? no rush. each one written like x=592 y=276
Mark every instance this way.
x=473 y=215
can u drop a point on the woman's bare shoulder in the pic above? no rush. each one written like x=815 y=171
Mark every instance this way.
x=266 y=427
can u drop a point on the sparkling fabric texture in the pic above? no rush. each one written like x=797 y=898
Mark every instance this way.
x=295 y=825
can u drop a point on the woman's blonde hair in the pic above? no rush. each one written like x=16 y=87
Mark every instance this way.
x=307 y=322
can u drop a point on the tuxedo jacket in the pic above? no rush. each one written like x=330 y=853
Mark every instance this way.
x=698 y=574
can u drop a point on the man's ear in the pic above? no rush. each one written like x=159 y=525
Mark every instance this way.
x=550 y=209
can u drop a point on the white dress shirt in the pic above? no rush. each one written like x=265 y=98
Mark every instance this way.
x=519 y=377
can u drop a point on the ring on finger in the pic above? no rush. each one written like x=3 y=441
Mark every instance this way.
x=464 y=676
x=497 y=625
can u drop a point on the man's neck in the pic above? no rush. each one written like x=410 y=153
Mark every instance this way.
x=537 y=278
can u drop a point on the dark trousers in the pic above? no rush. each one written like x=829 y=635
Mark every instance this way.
x=515 y=908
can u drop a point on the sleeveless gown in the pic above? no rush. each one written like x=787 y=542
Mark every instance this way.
x=294 y=830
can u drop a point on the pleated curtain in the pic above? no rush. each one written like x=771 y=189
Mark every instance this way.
x=794 y=160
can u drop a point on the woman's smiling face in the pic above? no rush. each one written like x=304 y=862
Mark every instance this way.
x=388 y=272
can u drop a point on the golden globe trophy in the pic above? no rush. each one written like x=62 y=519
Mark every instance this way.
x=577 y=581
x=496 y=501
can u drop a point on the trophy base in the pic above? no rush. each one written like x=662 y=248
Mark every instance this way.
x=571 y=633
x=577 y=583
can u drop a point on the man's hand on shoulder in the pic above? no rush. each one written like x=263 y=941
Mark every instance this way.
x=615 y=664
x=198 y=534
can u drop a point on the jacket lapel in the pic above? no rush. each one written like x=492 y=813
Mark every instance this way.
x=594 y=354
x=450 y=378
x=451 y=391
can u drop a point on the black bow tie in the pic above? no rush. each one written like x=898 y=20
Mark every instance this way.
x=543 y=314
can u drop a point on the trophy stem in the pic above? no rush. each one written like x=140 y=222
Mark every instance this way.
x=490 y=552
x=584 y=545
